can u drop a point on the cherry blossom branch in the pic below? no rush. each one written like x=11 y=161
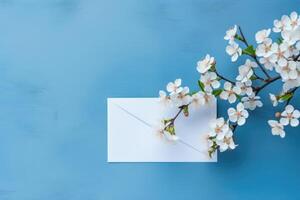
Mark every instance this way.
x=282 y=55
x=169 y=123
x=258 y=77
x=172 y=120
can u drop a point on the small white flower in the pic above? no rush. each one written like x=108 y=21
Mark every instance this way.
x=174 y=88
x=288 y=71
x=283 y=24
x=245 y=71
x=262 y=35
x=264 y=49
x=290 y=84
x=210 y=80
x=280 y=53
x=266 y=61
x=218 y=128
x=170 y=137
x=234 y=51
x=277 y=128
x=290 y=37
x=245 y=87
x=205 y=64
x=163 y=98
x=290 y=116
x=159 y=129
x=238 y=115
x=252 y=101
x=226 y=143
x=273 y=99
x=197 y=99
x=230 y=34
x=230 y=92
x=181 y=98
x=294 y=20
x=206 y=98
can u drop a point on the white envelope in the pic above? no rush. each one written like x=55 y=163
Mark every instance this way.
x=132 y=138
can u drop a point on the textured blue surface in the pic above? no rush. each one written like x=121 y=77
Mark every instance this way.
x=61 y=59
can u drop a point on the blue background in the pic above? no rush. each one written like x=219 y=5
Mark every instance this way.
x=61 y=59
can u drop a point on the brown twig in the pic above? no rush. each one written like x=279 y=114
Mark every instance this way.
x=268 y=81
x=225 y=79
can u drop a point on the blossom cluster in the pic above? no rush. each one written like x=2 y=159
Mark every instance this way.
x=266 y=63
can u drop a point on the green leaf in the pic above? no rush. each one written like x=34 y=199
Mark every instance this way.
x=239 y=97
x=253 y=77
x=186 y=111
x=286 y=97
x=249 y=51
x=279 y=40
x=217 y=92
x=201 y=85
x=239 y=37
x=171 y=129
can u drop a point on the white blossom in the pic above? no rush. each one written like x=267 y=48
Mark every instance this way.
x=287 y=71
x=171 y=137
x=181 y=98
x=273 y=99
x=238 y=115
x=205 y=64
x=283 y=24
x=246 y=71
x=230 y=34
x=234 y=51
x=294 y=20
x=252 y=101
x=290 y=37
x=277 y=128
x=159 y=129
x=280 y=53
x=290 y=116
x=206 y=98
x=267 y=63
x=210 y=81
x=198 y=99
x=264 y=49
x=230 y=92
x=163 y=98
x=226 y=143
x=245 y=87
x=174 y=88
x=262 y=35
x=290 y=84
x=218 y=128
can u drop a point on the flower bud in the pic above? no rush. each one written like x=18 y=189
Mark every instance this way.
x=277 y=114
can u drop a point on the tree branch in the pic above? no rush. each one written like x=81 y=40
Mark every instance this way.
x=268 y=81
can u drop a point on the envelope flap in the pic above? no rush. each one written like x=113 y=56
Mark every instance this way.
x=148 y=109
